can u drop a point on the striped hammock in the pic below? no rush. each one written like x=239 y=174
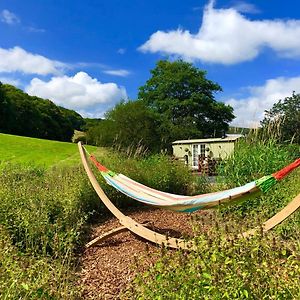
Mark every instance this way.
x=150 y=196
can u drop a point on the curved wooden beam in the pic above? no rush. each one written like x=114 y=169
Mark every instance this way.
x=277 y=219
x=161 y=239
x=129 y=223
x=105 y=236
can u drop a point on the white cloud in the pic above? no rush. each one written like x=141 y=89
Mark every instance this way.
x=8 y=17
x=228 y=37
x=121 y=72
x=121 y=51
x=249 y=111
x=18 y=60
x=245 y=7
x=35 y=29
x=80 y=92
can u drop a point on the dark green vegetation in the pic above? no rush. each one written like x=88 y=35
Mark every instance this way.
x=129 y=124
x=177 y=102
x=88 y=123
x=44 y=212
x=285 y=115
x=255 y=157
x=266 y=266
x=25 y=115
x=252 y=159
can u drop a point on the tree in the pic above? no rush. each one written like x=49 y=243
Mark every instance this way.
x=128 y=124
x=88 y=123
x=285 y=115
x=74 y=118
x=6 y=111
x=182 y=98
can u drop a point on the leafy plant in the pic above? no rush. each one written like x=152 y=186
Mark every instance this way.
x=286 y=115
x=258 y=268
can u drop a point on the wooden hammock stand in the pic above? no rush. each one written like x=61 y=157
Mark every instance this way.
x=155 y=237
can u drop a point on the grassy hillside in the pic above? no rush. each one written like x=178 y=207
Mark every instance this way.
x=24 y=150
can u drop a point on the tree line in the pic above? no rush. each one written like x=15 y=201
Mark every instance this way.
x=25 y=115
x=176 y=102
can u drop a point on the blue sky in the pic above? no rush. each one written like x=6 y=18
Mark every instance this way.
x=87 y=55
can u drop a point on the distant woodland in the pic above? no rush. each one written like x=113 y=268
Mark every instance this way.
x=25 y=115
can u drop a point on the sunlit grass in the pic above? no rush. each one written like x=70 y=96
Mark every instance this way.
x=39 y=152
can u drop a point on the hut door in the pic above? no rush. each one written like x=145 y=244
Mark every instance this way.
x=198 y=149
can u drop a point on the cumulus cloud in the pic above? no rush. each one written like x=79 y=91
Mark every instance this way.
x=18 y=60
x=81 y=92
x=121 y=72
x=228 y=37
x=249 y=111
x=8 y=17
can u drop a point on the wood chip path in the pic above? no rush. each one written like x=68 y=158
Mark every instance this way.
x=108 y=268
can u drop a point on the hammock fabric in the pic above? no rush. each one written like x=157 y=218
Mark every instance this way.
x=150 y=196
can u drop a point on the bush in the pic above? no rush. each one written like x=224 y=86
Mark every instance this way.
x=253 y=158
x=43 y=211
x=23 y=276
x=258 y=268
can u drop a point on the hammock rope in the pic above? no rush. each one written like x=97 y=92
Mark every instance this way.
x=180 y=203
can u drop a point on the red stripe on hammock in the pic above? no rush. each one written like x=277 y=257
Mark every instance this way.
x=98 y=165
x=286 y=170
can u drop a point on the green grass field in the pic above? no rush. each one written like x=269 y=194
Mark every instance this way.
x=38 y=152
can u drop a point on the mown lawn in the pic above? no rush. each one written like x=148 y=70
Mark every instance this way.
x=39 y=152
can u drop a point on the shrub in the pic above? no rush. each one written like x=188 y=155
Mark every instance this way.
x=258 y=268
x=23 y=276
x=41 y=221
x=254 y=158
x=44 y=211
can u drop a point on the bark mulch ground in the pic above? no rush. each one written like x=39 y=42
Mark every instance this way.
x=108 y=268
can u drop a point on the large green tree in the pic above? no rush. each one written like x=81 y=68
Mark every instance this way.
x=128 y=124
x=285 y=117
x=183 y=101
